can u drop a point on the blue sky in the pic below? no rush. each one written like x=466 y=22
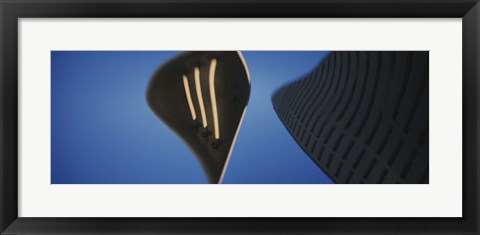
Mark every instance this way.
x=103 y=131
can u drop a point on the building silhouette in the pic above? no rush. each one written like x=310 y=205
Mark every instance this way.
x=202 y=97
x=362 y=117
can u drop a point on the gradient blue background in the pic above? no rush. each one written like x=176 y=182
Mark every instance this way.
x=103 y=131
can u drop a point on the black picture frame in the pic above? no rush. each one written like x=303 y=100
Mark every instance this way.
x=12 y=10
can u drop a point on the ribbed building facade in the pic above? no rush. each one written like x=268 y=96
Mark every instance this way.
x=362 y=117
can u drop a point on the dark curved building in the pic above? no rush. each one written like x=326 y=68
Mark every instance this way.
x=362 y=117
x=202 y=97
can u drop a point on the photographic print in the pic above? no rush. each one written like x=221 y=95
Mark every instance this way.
x=239 y=117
